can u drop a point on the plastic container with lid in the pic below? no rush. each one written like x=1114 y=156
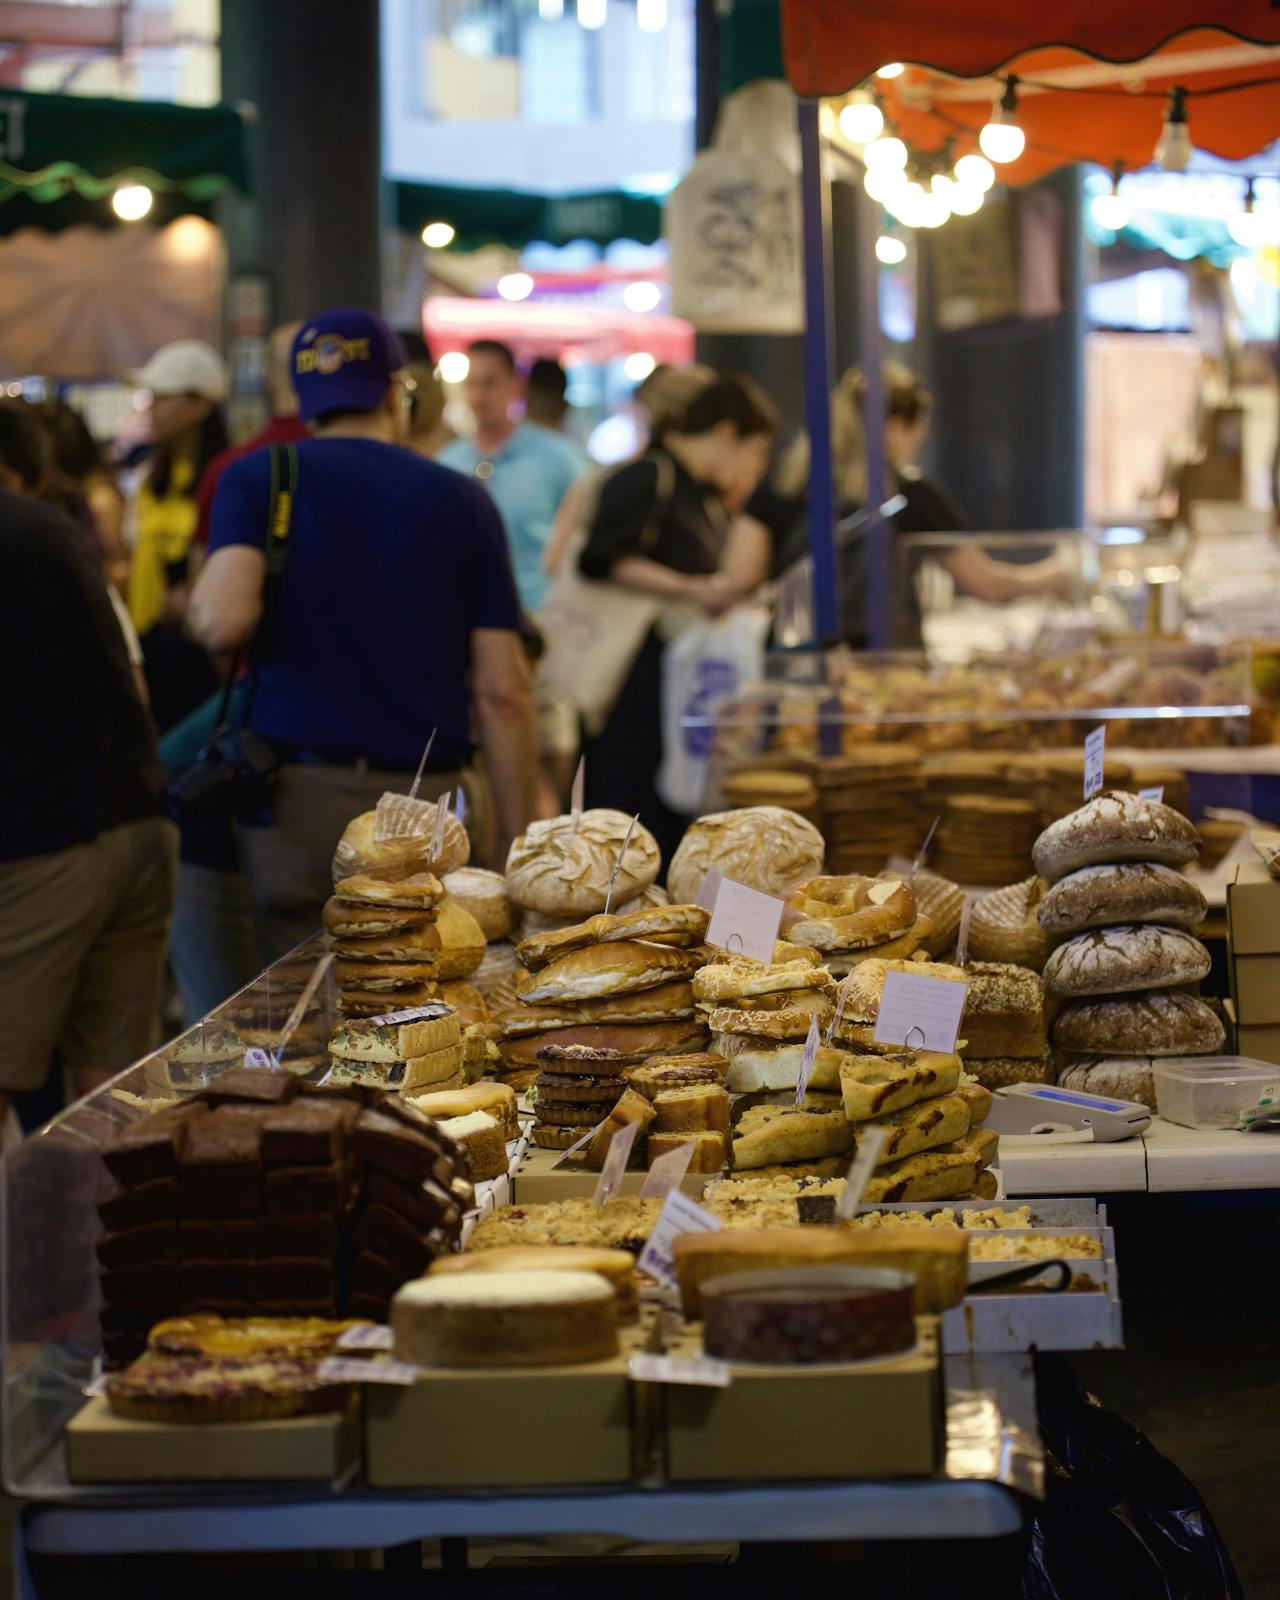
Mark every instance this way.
x=1211 y=1091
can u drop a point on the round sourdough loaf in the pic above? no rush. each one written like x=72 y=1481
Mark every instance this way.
x=1116 y=1078
x=558 y=870
x=1004 y=925
x=1117 y=960
x=359 y=852
x=764 y=847
x=484 y=895
x=1115 y=827
x=1123 y=891
x=1162 y=1022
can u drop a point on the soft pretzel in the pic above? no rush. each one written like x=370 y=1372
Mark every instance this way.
x=851 y=913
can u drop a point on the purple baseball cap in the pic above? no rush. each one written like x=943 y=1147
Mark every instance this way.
x=343 y=361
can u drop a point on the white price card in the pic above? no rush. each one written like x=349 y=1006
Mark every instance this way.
x=615 y=1163
x=744 y=922
x=701 y=1370
x=921 y=1012
x=367 y=1336
x=258 y=1058
x=708 y=889
x=667 y=1172
x=806 y=1061
x=460 y=806
x=1095 y=757
x=1156 y=794
x=437 y=1008
x=870 y=1144
x=348 y=1369
x=679 y=1215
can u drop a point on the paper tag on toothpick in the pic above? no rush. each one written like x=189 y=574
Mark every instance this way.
x=922 y=1012
x=300 y=1009
x=1095 y=757
x=1152 y=794
x=923 y=853
x=259 y=1058
x=962 y=938
x=573 y=1149
x=744 y=922
x=701 y=1370
x=615 y=1163
x=367 y=1336
x=617 y=866
x=460 y=806
x=679 y=1215
x=708 y=889
x=870 y=1144
x=667 y=1172
x=842 y=996
x=437 y=832
x=577 y=792
x=806 y=1061
x=348 y=1369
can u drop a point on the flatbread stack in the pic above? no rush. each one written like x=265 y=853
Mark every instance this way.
x=1127 y=964
x=984 y=839
x=772 y=786
x=870 y=804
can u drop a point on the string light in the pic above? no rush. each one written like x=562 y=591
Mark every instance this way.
x=861 y=120
x=515 y=286
x=890 y=252
x=1112 y=210
x=891 y=69
x=965 y=199
x=881 y=182
x=1002 y=140
x=651 y=15
x=885 y=154
x=1246 y=227
x=550 y=10
x=975 y=172
x=1173 y=148
x=454 y=366
x=132 y=201
x=439 y=235
x=593 y=13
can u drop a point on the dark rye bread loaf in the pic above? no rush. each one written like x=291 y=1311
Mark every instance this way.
x=1156 y=1023
x=1126 y=891
x=1115 y=827
x=1119 y=960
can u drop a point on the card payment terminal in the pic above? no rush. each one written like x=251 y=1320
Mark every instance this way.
x=1042 y=1110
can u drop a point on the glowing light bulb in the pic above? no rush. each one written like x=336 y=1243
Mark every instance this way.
x=934 y=208
x=132 y=201
x=651 y=15
x=861 y=120
x=975 y=172
x=886 y=154
x=638 y=366
x=880 y=183
x=907 y=204
x=965 y=199
x=643 y=296
x=889 y=250
x=438 y=235
x=891 y=69
x=1173 y=148
x=515 y=286
x=593 y=13
x=1002 y=139
x=550 y=10
x=454 y=366
x=1111 y=211
x=1246 y=229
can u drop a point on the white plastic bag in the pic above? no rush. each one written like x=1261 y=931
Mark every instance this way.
x=702 y=667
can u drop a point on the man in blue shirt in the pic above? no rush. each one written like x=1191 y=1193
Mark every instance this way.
x=527 y=469
x=397 y=615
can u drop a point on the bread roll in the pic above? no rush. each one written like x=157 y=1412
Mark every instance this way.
x=606 y=969
x=344 y=920
x=1122 y=892
x=732 y=981
x=1115 y=827
x=558 y=871
x=421 y=892
x=1158 y=1023
x=359 y=852
x=484 y=895
x=766 y=1134
x=462 y=943
x=1117 y=960
x=762 y=846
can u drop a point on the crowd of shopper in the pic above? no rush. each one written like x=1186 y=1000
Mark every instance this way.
x=298 y=614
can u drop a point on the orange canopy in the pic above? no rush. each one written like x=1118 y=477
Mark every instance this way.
x=1074 y=103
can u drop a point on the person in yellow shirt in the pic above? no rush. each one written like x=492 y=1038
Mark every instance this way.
x=187 y=384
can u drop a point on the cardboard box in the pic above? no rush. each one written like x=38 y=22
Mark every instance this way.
x=508 y=1427
x=1260 y=1043
x=104 y=1448
x=1253 y=911
x=536 y=1180
x=872 y=1419
x=1255 y=989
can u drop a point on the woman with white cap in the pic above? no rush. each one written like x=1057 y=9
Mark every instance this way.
x=187 y=384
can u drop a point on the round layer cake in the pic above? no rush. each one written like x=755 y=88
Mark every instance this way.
x=505 y=1319
x=808 y=1316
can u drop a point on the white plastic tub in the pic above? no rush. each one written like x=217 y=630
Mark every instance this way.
x=1211 y=1091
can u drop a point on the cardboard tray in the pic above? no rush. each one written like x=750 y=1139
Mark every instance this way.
x=872 y=1419
x=536 y=1179
x=104 y=1448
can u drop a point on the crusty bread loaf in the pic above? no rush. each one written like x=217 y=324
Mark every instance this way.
x=768 y=1133
x=1004 y=1011
x=1122 y=892
x=634 y=1042
x=694 y=1108
x=1005 y=925
x=874 y=1086
x=423 y=943
x=977 y=1097
x=838 y=914
x=558 y=870
x=631 y=1107
x=709 y=1148
x=344 y=919
x=731 y=982
x=941 y=1120
x=606 y=969
x=1118 y=960
x=462 y=942
x=359 y=852
x=764 y=847
x=421 y=891
x=999 y=1072
x=788 y=1022
x=1115 y=827
x=665 y=1002
x=685 y=926
x=1115 y=1077
x=484 y=896
x=1157 y=1023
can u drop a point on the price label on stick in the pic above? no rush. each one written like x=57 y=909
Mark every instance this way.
x=841 y=997
x=350 y=1369
x=437 y=833
x=258 y=1058
x=922 y=855
x=923 y=1012
x=367 y=1336
x=806 y=1061
x=617 y=866
x=1156 y=794
x=962 y=938
x=667 y=1172
x=744 y=922
x=701 y=1370
x=300 y=1009
x=679 y=1215
x=1095 y=759
x=577 y=792
x=708 y=889
x=422 y=765
x=615 y=1163
x=870 y=1145
x=579 y=1144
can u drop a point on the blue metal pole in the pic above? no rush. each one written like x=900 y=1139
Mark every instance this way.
x=818 y=363
x=875 y=541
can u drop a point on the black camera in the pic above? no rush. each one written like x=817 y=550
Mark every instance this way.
x=233 y=776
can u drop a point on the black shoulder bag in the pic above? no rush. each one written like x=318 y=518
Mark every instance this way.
x=234 y=773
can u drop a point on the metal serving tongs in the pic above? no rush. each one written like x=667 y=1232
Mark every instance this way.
x=1024 y=1274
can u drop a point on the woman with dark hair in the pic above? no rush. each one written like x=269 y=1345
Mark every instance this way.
x=81 y=477
x=187 y=383
x=663 y=527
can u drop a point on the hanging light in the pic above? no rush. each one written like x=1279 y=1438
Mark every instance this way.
x=1112 y=210
x=908 y=205
x=934 y=206
x=885 y=154
x=891 y=69
x=550 y=10
x=965 y=199
x=890 y=251
x=1173 y=148
x=861 y=119
x=439 y=235
x=881 y=182
x=454 y=366
x=651 y=15
x=1002 y=140
x=638 y=365
x=515 y=286
x=1246 y=226
x=132 y=201
x=593 y=13
x=642 y=297
x=975 y=172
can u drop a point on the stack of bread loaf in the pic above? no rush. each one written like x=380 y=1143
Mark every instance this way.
x=760 y=1016
x=395 y=933
x=849 y=920
x=412 y=1051
x=984 y=839
x=1128 y=964
x=772 y=786
x=1004 y=1027
x=1005 y=925
x=869 y=797
x=765 y=847
x=618 y=983
x=560 y=870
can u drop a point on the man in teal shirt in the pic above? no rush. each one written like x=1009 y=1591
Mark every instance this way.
x=526 y=469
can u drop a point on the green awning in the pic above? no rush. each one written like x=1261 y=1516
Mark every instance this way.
x=750 y=37
x=56 y=145
x=514 y=218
